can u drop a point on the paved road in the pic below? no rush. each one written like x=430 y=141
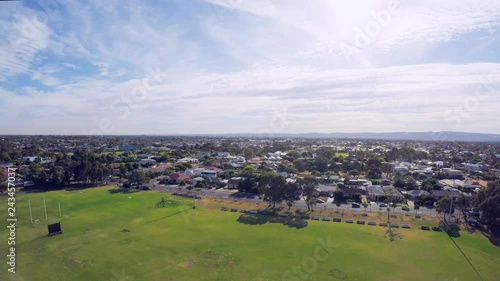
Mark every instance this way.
x=225 y=194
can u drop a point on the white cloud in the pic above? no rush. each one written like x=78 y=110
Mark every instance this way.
x=25 y=37
x=239 y=67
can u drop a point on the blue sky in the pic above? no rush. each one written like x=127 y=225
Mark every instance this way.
x=234 y=66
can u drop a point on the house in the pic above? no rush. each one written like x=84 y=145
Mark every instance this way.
x=452 y=183
x=386 y=181
x=401 y=171
x=359 y=182
x=451 y=193
x=187 y=160
x=393 y=194
x=475 y=167
x=452 y=173
x=471 y=184
x=282 y=174
x=233 y=182
x=428 y=173
x=334 y=178
x=145 y=162
x=28 y=183
x=350 y=191
x=223 y=155
x=273 y=158
x=161 y=167
x=254 y=161
x=145 y=156
x=128 y=147
x=33 y=159
x=326 y=190
x=203 y=154
x=238 y=159
x=414 y=194
x=374 y=192
x=178 y=178
x=195 y=180
x=208 y=174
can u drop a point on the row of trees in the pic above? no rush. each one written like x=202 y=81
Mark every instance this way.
x=486 y=200
x=276 y=190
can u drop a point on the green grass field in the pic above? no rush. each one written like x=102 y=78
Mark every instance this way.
x=341 y=154
x=109 y=235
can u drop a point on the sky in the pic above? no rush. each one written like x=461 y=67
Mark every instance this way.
x=260 y=66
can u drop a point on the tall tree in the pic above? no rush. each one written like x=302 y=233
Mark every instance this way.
x=272 y=188
x=338 y=195
x=3 y=180
x=416 y=207
x=445 y=206
x=488 y=201
x=58 y=176
x=138 y=177
x=365 y=205
x=292 y=192
x=310 y=194
x=463 y=203
x=411 y=184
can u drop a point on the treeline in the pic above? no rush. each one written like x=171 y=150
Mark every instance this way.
x=274 y=189
x=83 y=167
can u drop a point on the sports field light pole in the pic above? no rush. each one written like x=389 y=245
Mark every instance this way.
x=60 y=215
x=31 y=215
x=45 y=207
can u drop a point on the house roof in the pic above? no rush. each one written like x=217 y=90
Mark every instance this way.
x=391 y=191
x=375 y=190
x=180 y=176
x=352 y=190
x=327 y=188
x=445 y=193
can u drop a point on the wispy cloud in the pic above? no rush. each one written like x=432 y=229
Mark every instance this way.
x=229 y=66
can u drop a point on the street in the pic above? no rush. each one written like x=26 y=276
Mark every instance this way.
x=329 y=204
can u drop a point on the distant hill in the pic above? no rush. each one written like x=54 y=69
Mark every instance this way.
x=424 y=136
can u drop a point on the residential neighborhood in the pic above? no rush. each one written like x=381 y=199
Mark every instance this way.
x=343 y=171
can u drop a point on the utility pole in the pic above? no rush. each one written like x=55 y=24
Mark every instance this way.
x=45 y=207
x=31 y=215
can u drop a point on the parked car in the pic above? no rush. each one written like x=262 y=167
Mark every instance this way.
x=382 y=205
x=355 y=205
x=320 y=201
x=472 y=222
x=405 y=208
x=475 y=212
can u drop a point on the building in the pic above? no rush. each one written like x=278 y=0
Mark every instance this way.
x=393 y=194
x=232 y=183
x=178 y=178
x=452 y=193
x=326 y=190
x=475 y=167
x=374 y=192
x=208 y=174
x=452 y=173
x=147 y=161
x=414 y=194
x=401 y=171
x=187 y=160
